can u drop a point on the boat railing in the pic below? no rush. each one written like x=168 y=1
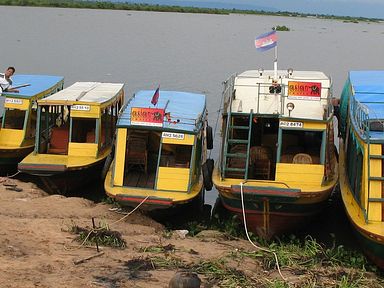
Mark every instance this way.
x=175 y=119
x=279 y=90
x=360 y=117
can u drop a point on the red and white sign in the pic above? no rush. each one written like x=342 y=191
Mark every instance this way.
x=304 y=90
x=147 y=116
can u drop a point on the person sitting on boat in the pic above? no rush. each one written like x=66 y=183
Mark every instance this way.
x=6 y=81
x=336 y=112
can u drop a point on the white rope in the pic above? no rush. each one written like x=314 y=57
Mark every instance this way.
x=13 y=175
x=249 y=238
x=100 y=228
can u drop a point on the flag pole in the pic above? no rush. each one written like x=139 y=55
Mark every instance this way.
x=275 y=65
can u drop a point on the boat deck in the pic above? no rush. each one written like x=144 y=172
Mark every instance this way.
x=139 y=179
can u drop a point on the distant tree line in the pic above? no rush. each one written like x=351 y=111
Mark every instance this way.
x=165 y=8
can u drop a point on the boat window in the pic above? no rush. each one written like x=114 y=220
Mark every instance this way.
x=376 y=126
x=108 y=120
x=31 y=126
x=177 y=156
x=14 y=119
x=83 y=130
x=301 y=146
x=354 y=166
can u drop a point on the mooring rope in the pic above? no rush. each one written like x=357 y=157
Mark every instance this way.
x=113 y=223
x=249 y=238
x=217 y=121
x=13 y=175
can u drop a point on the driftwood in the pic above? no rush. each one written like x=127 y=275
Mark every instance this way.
x=76 y=262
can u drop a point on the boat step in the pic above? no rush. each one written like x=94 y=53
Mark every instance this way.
x=376 y=178
x=238 y=141
x=236 y=155
x=234 y=169
x=239 y=127
x=376 y=199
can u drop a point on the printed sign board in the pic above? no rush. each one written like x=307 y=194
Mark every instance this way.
x=147 y=116
x=291 y=124
x=13 y=101
x=304 y=90
x=171 y=135
x=81 y=107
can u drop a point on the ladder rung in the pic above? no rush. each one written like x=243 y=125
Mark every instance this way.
x=376 y=199
x=376 y=156
x=376 y=178
x=238 y=141
x=239 y=127
x=235 y=169
x=236 y=155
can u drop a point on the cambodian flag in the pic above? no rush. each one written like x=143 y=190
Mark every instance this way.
x=266 y=41
x=155 y=96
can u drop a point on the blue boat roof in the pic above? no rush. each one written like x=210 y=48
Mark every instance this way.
x=185 y=109
x=38 y=84
x=368 y=89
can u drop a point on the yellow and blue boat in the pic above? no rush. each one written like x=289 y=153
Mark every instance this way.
x=160 y=150
x=74 y=135
x=277 y=164
x=362 y=159
x=18 y=125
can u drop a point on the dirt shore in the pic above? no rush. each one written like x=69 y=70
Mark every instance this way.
x=38 y=248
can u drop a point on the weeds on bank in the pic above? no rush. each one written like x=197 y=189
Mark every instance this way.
x=101 y=235
x=319 y=265
x=215 y=271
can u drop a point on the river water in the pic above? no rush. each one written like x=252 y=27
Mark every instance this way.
x=189 y=52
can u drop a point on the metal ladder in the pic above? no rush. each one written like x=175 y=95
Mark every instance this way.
x=230 y=140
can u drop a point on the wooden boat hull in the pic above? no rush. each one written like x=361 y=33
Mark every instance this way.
x=372 y=244
x=272 y=211
x=369 y=234
x=10 y=157
x=58 y=179
x=152 y=199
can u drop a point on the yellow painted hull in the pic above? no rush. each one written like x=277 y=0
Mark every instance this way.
x=152 y=198
x=275 y=207
x=370 y=233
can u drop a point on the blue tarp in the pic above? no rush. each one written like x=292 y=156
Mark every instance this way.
x=368 y=89
x=185 y=109
x=38 y=84
x=367 y=82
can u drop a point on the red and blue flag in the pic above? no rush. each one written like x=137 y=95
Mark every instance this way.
x=266 y=41
x=155 y=96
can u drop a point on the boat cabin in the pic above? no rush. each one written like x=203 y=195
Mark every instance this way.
x=79 y=120
x=271 y=123
x=20 y=109
x=362 y=130
x=75 y=129
x=19 y=114
x=159 y=147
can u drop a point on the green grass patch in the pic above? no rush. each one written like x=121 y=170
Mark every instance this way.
x=101 y=236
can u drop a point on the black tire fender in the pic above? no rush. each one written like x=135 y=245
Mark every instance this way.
x=107 y=163
x=207 y=169
x=209 y=138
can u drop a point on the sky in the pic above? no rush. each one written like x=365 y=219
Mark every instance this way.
x=355 y=8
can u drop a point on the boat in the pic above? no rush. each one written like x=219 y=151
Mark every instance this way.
x=361 y=146
x=74 y=135
x=160 y=150
x=277 y=164
x=18 y=125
